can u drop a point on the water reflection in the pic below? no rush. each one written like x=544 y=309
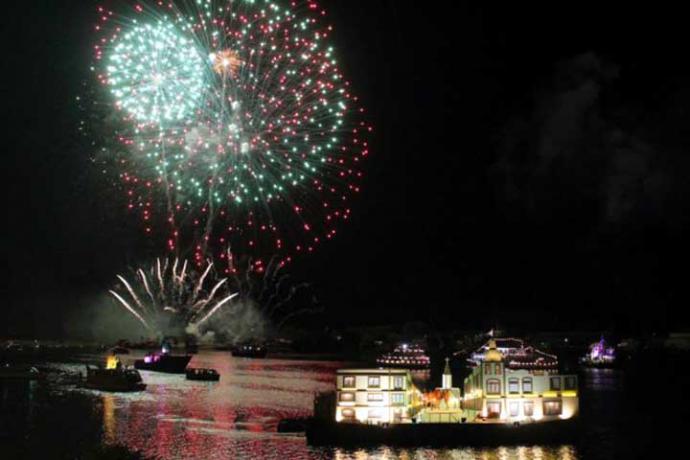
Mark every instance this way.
x=500 y=453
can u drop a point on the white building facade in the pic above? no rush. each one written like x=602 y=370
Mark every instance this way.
x=507 y=390
x=376 y=396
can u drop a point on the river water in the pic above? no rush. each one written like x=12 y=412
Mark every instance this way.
x=237 y=417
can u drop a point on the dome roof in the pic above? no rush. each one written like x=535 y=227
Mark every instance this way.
x=492 y=354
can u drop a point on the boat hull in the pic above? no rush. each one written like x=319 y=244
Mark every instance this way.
x=166 y=363
x=320 y=432
x=113 y=380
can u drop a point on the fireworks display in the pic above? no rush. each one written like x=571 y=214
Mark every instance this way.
x=171 y=295
x=238 y=124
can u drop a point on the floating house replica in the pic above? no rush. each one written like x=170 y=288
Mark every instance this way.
x=376 y=396
x=521 y=386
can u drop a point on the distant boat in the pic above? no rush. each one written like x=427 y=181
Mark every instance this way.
x=12 y=372
x=250 y=350
x=406 y=356
x=599 y=355
x=163 y=362
x=206 y=375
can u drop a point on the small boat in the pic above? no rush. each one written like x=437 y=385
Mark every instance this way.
x=163 y=362
x=205 y=375
x=113 y=378
x=249 y=350
x=12 y=372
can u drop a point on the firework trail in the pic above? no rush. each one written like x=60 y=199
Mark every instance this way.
x=173 y=305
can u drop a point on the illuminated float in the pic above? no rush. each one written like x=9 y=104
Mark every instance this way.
x=600 y=355
x=405 y=356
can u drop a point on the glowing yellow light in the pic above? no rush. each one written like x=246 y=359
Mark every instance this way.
x=111 y=362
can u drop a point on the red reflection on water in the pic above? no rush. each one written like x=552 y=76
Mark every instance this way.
x=236 y=417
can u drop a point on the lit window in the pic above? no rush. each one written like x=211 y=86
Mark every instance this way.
x=374 y=413
x=552 y=408
x=514 y=408
x=348 y=413
x=493 y=386
x=527 y=385
x=397 y=398
x=555 y=383
x=349 y=381
x=570 y=382
x=347 y=397
x=528 y=408
x=374 y=382
x=493 y=409
x=513 y=385
x=375 y=397
x=399 y=383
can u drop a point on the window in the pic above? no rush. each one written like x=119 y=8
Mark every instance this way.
x=528 y=408
x=513 y=385
x=527 y=385
x=552 y=408
x=397 y=398
x=493 y=409
x=349 y=381
x=375 y=397
x=497 y=369
x=347 y=397
x=493 y=386
x=374 y=382
x=374 y=413
x=570 y=382
x=488 y=368
x=399 y=382
x=348 y=413
x=514 y=408
x=555 y=383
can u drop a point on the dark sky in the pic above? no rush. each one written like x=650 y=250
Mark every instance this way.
x=530 y=168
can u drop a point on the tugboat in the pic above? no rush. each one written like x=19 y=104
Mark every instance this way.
x=249 y=350
x=204 y=375
x=11 y=372
x=163 y=361
x=113 y=378
x=407 y=356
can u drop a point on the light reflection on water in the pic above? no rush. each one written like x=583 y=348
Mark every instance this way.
x=238 y=416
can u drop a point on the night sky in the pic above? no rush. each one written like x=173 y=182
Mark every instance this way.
x=529 y=169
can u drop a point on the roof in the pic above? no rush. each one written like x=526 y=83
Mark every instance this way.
x=379 y=371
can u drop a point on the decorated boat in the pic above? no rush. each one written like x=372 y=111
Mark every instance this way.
x=163 y=361
x=599 y=355
x=405 y=355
